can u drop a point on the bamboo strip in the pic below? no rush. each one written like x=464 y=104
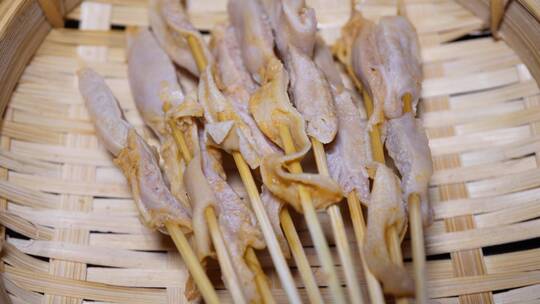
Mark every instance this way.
x=432 y=87
x=52 y=11
x=42 y=282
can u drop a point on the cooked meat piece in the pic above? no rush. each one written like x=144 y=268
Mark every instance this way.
x=344 y=45
x=312 y=97
x=324 y=190
x=407 y=144
x=294 y=23
x=385 y=57
x=271 y=108
x=295 y=28
x=202 y=196
x=398 y=44
x=153 y=82
x=234 y=81
x=322 y=57
x=237 y=222
x=254 y=35
x=104 y=111
x=166 y=17
x=349 y=155
x=234 y=78
x=224 y=125
x=386 y=209
x=151 y=74
x=134 y=156
x=273 y=206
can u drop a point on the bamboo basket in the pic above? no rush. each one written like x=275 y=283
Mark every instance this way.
x=70 y=231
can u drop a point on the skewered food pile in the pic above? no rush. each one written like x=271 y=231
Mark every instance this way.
x=268 y=90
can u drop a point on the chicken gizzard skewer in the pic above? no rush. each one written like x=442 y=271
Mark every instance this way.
x=158 y=208
x=201 y=56
x=154 y=84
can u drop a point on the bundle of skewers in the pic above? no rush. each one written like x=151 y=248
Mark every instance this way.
x=267 y=90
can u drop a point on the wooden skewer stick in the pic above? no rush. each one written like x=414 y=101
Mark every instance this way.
x=392 y=238
x=300 y=257
x=260 y=277
x=315 y=229
x=417 y=232
x=338 y=228
x=359 y=226
x=215 y=232
x=272 y=243
x=192 y=263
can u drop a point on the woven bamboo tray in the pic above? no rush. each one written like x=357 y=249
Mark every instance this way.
x=71 y=233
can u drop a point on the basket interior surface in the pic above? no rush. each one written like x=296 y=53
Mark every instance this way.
x=71 y=230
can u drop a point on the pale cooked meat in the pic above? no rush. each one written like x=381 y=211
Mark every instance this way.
x=234 y=81
x=294 y=23
x=202 y=197
x=271 y=108
x=407 y=144
x=386 y=209
x=273 y=206
x=324 y=190
x=151 y=73
x=233 y=74
x=348 y=156
x=134 y=156
x=294 y=26
x=312 y=97
x=254 y=35
x=237 y=221
x=104 y=111
x=367 y=63
x=224 y=125
x=153 y=81
x=399 y=47
x=322 y=56
x=160 y=14
x=344 y=45
x=386 y=59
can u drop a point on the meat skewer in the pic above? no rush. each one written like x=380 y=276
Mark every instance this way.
x=153 y=78
x=158 y=208
x=294 y=26
x=397 y=82
x=349 y=155
x=406 y=140
x=248 y=20
x=386 y=58
x=237 y=83
x=359 y=31
x=201 y=58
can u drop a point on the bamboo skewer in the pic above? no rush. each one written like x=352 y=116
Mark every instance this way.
x=315 y=229
x=215 y=232
x=192 y=262
x=249 y=183
x=271 y=241
x=338 y=228
x=359 y=226
x=392 y=238
x=300 y=257
x=417 y=232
